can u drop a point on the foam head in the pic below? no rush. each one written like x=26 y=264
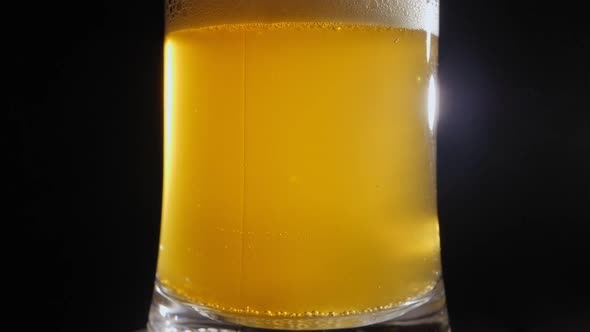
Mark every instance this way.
x=409 y=14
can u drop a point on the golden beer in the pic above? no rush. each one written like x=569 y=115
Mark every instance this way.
x=299 y=171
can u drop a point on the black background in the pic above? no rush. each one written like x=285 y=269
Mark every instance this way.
x=85 y=96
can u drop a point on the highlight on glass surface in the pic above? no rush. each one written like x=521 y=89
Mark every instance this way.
x=299 y=167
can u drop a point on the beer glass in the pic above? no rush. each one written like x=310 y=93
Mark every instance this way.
x=299 y=167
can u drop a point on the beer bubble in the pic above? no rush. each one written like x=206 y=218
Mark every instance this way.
x=372 y=4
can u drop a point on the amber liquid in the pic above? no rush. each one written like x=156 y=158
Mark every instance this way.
x=299 y=168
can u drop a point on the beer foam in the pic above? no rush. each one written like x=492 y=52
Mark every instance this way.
x=409 y=14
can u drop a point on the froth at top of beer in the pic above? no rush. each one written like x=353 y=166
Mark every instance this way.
x=410 y=14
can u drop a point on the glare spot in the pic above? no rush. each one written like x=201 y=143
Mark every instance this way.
x=163 y=310
x=432 y=102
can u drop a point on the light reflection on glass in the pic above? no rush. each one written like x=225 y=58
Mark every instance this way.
x=432 y=102
x=168 y=103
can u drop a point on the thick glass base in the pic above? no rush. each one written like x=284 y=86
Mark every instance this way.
x=426 y=313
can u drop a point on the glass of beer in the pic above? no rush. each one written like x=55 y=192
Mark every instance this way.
x=299 y=167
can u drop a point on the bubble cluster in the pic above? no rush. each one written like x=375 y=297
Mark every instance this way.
x=252 y=312
x=261 y=28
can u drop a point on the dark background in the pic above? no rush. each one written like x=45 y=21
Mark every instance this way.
x=84 y=95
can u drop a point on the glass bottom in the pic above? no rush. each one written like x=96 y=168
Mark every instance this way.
x=427 y=312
